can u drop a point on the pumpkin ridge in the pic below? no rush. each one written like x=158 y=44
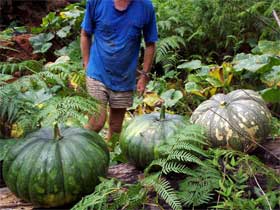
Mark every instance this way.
x=88 y=158
x=23 y=147
x=261 y=121
x=95 y=147
x=49 y=166
x=212 y=118
x=99 y=149
x=73 y=155
x=32 y=169
x=15 y=162
x=61 y=166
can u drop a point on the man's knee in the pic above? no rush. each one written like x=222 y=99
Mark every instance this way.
x=97 y=122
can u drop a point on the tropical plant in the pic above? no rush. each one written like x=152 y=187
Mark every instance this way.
x=54 y=93
x=112 y=194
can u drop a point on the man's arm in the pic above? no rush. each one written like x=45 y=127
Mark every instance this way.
x=147 y=65
x=85 y=47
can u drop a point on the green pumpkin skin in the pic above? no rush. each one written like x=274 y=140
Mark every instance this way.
x=49 y=172
x=139 y=140
x=234 y=121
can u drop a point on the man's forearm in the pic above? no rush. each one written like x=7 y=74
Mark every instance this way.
x=149 y=56
x=85 y=47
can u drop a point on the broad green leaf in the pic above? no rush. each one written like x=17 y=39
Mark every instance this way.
x=35 y=97
x=171 y=97
x=64 y=32
x=195 y=78
x=272 y=78
x=214 y=82
x=203 y=71
x=269 y=47
x=255 y=63
x=195 y=64
x=271 y=95
x=50 y=19
x=40 y=43
x=241 y=56
x=192 y=87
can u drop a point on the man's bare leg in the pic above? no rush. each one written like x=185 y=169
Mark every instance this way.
x=115 y=121
x=96 y=122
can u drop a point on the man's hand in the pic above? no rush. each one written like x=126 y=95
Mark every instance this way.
x=141 y=84
x=148 y=61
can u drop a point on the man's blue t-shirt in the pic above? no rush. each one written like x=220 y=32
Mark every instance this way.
x=117 y=38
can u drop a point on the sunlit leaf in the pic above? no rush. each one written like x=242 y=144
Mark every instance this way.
x=40 y=43
x=195 y=64
x=151 y=99
x=191 y=87
x=64 y=32
x=255 y=63
x=271 y=95
x=269 y=47
x=217 y=73
x=171 y=97
x=272 y=78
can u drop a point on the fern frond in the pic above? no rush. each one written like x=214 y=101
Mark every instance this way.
x=177 y=168
x=198 y=188
x=112 y=194
x=165 y=191
x=168 y=44
x=184 y=157
x=190 y=147
x=62 y=109
x=29 y=65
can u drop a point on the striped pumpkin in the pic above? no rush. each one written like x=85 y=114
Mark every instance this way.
x=139 y=140
x=238 y=120
x=50 y=172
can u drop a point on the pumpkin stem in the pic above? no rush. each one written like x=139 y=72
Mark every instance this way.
x=57 y=134
x=162 y=113
x=223 y=103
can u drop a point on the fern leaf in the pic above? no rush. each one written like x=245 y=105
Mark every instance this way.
x=164 y=189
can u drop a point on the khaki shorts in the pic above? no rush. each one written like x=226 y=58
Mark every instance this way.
x=116 y=99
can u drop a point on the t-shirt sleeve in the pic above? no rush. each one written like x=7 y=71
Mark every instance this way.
x=88 y=21
x=150 y=31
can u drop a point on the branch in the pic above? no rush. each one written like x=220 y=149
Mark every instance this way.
x=276 y=17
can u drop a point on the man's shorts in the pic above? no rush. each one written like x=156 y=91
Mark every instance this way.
x=116 y=99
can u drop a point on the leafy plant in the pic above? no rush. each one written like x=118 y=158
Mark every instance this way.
x=112 y=194
x=56 y=92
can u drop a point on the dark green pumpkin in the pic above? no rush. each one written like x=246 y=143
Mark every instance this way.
x=50 y=172
x=139 y=140
x=238 y=120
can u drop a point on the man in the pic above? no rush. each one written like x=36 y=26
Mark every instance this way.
x=111 y=59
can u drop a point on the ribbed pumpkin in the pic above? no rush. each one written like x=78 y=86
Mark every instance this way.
x=236 y=120
x=139 y=140
x=53 y=171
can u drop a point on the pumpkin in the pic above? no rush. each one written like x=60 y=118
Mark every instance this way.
x=53 y=170
x=140 y=139
x=239 y=120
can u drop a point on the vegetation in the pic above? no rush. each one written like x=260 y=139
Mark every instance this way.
x=206 y=47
